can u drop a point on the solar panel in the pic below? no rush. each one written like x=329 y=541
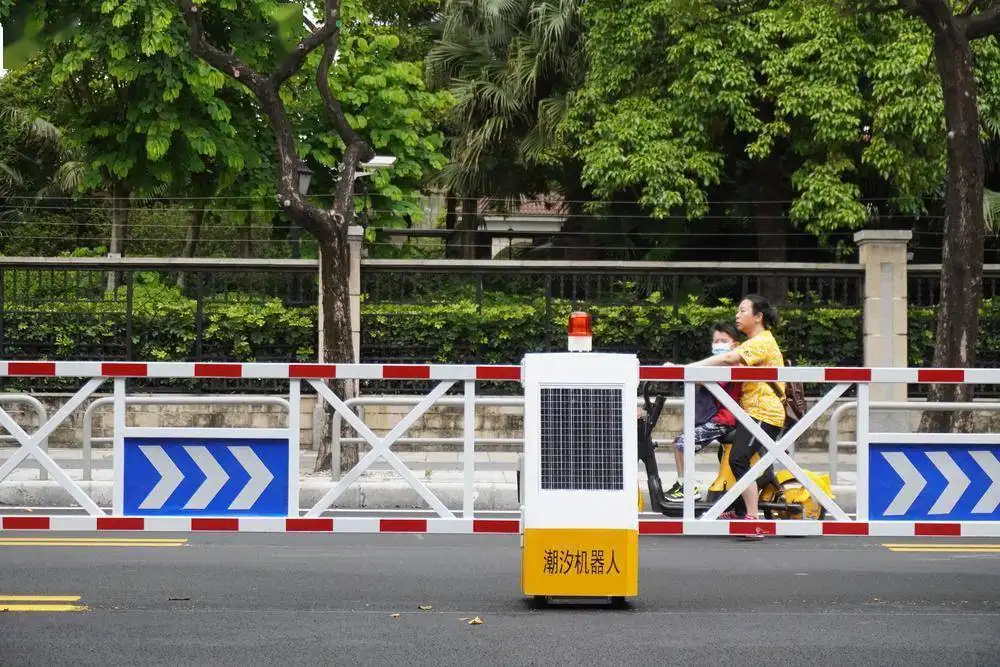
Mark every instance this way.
x=581 y=439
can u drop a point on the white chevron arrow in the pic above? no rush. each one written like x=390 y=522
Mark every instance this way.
x=913 y=483
x=991 y=466
x=215 y=477
x=170 y=477
x=957 y=482
x=260 y=477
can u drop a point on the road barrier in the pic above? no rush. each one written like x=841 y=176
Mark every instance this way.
x=233 y=479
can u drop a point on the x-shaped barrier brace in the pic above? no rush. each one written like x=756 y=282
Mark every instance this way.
x=30 y=446
x=777 y=451
x=380 y=449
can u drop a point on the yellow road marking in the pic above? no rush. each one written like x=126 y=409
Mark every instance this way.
x=56 y=542
x=42 y=607
x=93 y=539
x=963 y=550
x=40 y=603
x=85 y=544
x=943 y=545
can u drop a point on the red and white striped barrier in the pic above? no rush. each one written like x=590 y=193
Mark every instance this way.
x=490 y=526
x=445 y=375
x=261 y=371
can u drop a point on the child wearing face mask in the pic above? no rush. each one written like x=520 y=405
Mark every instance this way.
x=712 y=420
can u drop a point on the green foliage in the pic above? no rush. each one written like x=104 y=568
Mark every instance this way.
x=510 y=65
x=143 y=111
x=165 y=326
x=385 y=101
x=683 y=97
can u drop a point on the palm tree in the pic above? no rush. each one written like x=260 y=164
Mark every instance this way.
x=510 y=65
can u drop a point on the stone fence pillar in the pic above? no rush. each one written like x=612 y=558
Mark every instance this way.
x=883 y=256
x=355 y=237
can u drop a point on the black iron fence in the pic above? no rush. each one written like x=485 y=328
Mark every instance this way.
x=264 y=310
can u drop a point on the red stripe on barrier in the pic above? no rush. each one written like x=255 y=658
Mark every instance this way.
x=933 y=375
x=939 y=529
x=751 y=374
x=118 y=369
x=752 y=528
x=845 y=528
x=661 y=372
x=848 y=374
x=218 y=370
x=402 y=525
x=498 y=372
x=661 y=527
x=214 y=524
x=497 y=526
x=31 y=368
x=406 y=372
x=312 y=371
x=309 y=525
x=26 y=523
x=121 y=523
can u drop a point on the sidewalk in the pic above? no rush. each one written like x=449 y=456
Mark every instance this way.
x=381 y=487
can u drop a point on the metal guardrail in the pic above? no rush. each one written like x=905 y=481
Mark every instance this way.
x=361 y=401
x=88 y=415
x=833 y=426
x=43 y=416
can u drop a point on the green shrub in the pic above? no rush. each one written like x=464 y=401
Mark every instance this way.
x=165 y=325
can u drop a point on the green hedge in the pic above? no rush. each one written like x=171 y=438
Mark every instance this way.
x=503 y=333
x=165 y=326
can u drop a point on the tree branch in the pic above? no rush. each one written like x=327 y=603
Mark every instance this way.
x=293 y=62
x=265 y=89
x=973 y=6
x=984 y=24
x=227 y=63
x=332 y=104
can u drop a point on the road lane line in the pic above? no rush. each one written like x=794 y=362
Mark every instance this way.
x=42 y=607
x=942 y=545
x=952 y=550
x=50 y=603
x=95 y=539
x=39 y=598
x=95 y=542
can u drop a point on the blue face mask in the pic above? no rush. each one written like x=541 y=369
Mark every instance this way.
x=720 y=348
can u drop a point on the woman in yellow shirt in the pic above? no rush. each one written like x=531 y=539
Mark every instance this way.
x=754 y=318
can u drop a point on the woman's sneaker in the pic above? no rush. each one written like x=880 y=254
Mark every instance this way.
x=676 y=493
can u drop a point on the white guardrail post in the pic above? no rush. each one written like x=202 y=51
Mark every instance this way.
x=40 y=412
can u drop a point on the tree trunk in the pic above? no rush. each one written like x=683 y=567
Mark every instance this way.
x=772 y=227
x=246 y=241
x=964 y=226
x=338 y=347
x=772 y=248
x=192 y=239
x=119 y=227
x=462 y=243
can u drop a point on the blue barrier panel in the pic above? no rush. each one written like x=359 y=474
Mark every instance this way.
x=935 y=482
x=183 y=476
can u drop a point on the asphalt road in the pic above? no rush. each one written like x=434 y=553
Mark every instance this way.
x=245 y=599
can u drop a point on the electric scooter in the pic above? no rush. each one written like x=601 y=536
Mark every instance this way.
x=782 y=496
